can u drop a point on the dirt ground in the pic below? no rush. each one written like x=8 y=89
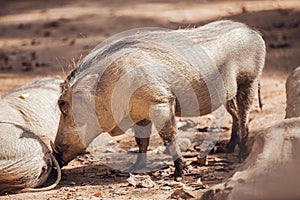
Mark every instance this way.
x=45 y=38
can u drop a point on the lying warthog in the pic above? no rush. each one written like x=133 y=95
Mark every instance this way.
x=153 y=76
x=29 y=119
x=271 y=171
x=293 y=94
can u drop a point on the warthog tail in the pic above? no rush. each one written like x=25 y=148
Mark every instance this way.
x=259 y=97
x=50 y=187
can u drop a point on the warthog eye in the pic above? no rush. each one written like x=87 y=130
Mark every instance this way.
x=62 y=106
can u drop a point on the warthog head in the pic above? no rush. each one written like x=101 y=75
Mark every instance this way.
x=78 y=121
x=67 y=143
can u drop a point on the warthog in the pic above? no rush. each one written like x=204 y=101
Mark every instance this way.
x=272 y=169
x=293 y=94
x=151 y=77
x=29 y=119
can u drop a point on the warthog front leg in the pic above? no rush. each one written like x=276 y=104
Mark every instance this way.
x=231 y=108
x=142 y=131
x=244 y=97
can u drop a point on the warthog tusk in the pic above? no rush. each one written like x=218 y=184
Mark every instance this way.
x=50 y=187
x=54 y=148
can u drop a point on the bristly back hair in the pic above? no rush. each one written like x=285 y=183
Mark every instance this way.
x=72 y=67
x=201 y=35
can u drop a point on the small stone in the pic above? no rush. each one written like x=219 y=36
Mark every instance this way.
x=72 y=183
x=202 y=161
x=98 y=194
x=166 y=188
x=51 y=24
x=199 y=181
x=141 y=181
x=175 y=184
x=72 y=42
x=181 y=194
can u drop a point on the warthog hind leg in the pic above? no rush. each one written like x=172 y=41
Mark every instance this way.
x=167 y=131
x=142 y=132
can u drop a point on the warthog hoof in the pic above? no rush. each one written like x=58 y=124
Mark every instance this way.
x=179 y=165
x=231 y=144
x=243 y=152
x=230 y=147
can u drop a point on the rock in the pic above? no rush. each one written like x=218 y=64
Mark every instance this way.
x=180 y=194
x=98 y=194
x=166 y=188
x=293 y=94
x=202 y=160
x=272 y=169
x=52 y=24
x=141 y=181
x=175 y=184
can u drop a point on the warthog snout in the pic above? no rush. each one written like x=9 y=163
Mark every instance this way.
x=59 y=159
x=57 y=154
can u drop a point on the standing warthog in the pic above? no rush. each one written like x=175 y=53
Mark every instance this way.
x=29 y=119
x=151 y=77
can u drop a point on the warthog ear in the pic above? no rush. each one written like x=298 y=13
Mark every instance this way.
x=88 y=83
